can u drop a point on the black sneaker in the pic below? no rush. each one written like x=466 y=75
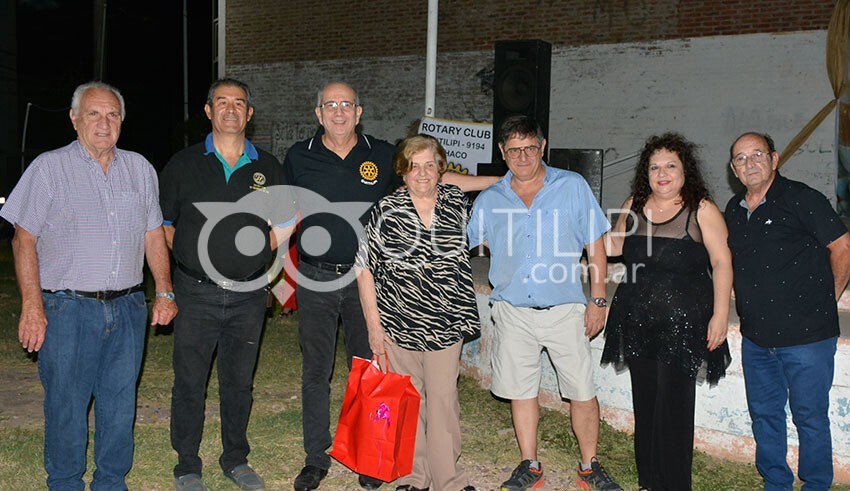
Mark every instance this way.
x=524 y=477
x=596 y=478
x=369 y=483
x=309 y=478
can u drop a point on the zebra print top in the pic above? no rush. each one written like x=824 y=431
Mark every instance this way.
x=423 y=279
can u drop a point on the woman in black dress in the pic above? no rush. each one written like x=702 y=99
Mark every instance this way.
x=668 y=318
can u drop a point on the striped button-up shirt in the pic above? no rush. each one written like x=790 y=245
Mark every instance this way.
x=90 y=225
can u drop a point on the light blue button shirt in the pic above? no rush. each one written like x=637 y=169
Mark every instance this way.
x=535 y=252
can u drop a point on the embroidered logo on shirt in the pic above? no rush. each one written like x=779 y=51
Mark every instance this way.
x=768 y=222
x=369 y=173
x=259 y=182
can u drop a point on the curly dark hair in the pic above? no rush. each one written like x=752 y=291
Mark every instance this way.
x=693 y=191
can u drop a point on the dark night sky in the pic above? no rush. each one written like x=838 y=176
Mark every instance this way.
x=143 y=58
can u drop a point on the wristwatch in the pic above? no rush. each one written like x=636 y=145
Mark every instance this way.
x=168 y=295
x=600 y=302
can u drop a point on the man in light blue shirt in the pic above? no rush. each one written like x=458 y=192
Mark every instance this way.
x=536 y=222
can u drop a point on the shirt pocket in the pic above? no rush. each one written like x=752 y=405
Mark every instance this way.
x=130 y=211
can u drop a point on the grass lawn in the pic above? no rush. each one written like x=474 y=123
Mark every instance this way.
x=490 y=451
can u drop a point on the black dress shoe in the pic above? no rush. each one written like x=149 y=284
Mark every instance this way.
x=309 y=478
x=468 y=488
x=369 y=483
x=408 y=487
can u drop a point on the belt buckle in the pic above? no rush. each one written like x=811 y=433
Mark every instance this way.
x=338 y=269
x=102 y=295
x=225 y=284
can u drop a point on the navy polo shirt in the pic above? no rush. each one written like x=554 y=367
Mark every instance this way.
x=196 y=175
x=347 y=186
x=784 y=288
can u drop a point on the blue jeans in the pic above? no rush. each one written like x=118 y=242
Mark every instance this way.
x=319 y=314
x=802 y=376
x=92 y=348
x=213 y=320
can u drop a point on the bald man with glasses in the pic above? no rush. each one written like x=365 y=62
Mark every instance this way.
x=791 y=257
x=345 y=166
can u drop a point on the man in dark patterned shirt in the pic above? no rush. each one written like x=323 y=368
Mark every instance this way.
x=791 y=255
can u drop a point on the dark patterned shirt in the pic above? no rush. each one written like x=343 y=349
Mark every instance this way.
x=423 y=279
x=784 y=288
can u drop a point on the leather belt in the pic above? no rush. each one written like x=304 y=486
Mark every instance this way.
x=542 y=308
x=200 y=277
x=101 y=295
x=334 y=267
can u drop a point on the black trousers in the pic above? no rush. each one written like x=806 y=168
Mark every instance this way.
x=319 y=316
x=212 y=320
x=663 y=398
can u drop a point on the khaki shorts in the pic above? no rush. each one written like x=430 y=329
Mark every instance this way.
x=521 y=333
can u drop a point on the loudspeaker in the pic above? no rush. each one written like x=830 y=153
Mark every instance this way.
x=522 y=73
x=587 y=162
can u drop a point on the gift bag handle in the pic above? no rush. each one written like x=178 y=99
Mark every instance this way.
x=377 y=359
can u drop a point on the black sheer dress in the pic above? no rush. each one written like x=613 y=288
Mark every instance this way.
x=662 y=308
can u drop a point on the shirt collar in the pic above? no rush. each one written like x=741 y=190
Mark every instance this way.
x=505 y=182
x=85 y=155
x=250 y=149
x=321 y=131
x=776 y=188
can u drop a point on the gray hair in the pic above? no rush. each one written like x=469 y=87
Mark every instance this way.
x=321 y=92
x=82 y=89
x=230 y=82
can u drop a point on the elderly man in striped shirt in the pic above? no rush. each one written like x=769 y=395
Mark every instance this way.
x=86 y=216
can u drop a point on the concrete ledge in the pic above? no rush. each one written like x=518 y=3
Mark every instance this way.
x=722 y=421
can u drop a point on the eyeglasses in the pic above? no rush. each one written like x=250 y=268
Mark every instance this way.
x=529 y=151
x=333 y=105
x=757 y=157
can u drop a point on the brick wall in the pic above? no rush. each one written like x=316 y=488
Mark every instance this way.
x=267 y=31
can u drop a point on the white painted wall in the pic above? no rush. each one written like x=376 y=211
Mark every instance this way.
x=709 y=89
x=608 y=96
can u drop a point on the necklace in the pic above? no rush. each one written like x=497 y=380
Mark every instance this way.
x=655 y=207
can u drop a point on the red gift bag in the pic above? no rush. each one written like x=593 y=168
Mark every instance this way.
x=376 y=434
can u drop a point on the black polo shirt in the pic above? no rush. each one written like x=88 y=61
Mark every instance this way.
x=784 y=288
x=195 y=175
x=348 y=187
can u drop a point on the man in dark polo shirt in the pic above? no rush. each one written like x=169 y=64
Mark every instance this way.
x=222 y=249
x=791 y=255
x=343 y=167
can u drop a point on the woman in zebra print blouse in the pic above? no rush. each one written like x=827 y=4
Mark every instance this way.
x=415 y=285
